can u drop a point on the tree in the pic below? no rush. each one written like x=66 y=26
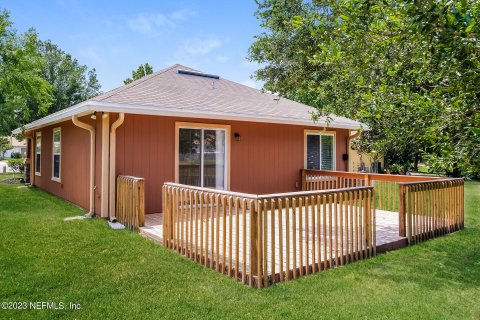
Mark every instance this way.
x=24 y=94
x=72 y=83
x=17 y=165
x=409 y=70
x=5 y=145
x=142 y=71
x=37 y=78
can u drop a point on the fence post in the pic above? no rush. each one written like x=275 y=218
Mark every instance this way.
x=401 y=211
x=255 y=242
x=304 y=179
x=165 y=224
x=367 y=198
x=368 y=180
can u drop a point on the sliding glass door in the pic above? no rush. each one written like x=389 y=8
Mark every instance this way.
x=202 y=157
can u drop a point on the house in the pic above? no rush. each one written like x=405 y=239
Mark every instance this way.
x=18 y=147
x=362 y=162
x=181 y=125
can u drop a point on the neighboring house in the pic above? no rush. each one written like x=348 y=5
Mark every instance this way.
x=360 y=162
x=18 y=146
x=183 y=126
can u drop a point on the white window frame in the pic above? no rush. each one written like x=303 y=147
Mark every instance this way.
x=320 y=133
x=38 y=170
x=204 y=126
x=57 y=179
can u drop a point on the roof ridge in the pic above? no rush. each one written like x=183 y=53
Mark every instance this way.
x=132 y=84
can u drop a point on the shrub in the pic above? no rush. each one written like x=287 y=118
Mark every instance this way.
x=17 y=165
x=16 y=155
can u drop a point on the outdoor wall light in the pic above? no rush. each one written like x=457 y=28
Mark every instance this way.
x=94 y=115
x=237 y=136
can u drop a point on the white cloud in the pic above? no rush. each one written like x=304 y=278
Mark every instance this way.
x=182 y=14
x=91 y=54
x=199 y=46
x=149 y=23
x=222 y=58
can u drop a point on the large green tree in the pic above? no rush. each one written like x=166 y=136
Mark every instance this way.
x=408 y=69
x=24 y=93
x=37 y=77
x=142 y=71
x=72 y=83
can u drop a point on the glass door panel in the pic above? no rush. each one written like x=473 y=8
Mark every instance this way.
x=189 y=154
x=214 y=159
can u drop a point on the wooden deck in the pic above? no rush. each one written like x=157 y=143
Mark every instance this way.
x=387 y=238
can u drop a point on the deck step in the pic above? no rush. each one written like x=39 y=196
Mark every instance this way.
x=151 y=234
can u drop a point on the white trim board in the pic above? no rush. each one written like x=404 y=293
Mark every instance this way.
x=91 y=106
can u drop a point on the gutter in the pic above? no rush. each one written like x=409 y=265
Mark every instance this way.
x=90 y=106
x=90 y=129
x=113 y=150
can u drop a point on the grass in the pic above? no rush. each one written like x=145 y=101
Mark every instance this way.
x=117 y=274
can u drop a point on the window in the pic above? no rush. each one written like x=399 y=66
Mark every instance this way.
x=56 y=154
x=38 y=153
x=202 y=155
x=320 y=150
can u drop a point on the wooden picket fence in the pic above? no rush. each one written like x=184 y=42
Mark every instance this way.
x=386 y=185
x=130 y=207
x=264 y=239
x=427 y=206
x=431 y=209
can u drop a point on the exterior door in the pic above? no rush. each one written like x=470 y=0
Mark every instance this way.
x=202 y=158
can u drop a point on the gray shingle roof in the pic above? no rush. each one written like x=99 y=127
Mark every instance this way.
x=169 y=93
x=168 y=89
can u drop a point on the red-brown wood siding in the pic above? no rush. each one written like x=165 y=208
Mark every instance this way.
x=75 y=163
x=267 y=159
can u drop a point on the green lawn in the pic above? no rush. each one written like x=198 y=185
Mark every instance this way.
x=120 y=275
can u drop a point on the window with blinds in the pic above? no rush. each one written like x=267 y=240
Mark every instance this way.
x=326 y=147
x=320 y=152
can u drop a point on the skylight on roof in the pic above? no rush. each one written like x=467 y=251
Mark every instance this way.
x=198 y=74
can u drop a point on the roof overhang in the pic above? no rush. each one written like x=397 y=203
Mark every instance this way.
x=88 y=107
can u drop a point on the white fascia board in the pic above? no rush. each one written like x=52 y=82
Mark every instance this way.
x=86 y=107
x=62 y=115
x=175 y=112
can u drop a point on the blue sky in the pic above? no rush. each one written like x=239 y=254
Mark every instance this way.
x=115 y=37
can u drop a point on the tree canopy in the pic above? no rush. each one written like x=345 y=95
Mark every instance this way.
x=72 y=83
x=24 y=94
x=37 y=77
x=142 y=71
x=410 y=70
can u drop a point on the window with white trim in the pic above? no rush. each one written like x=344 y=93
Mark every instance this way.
x=202 y=156
x=38 y=153
x=320 y=151
x=56 y=154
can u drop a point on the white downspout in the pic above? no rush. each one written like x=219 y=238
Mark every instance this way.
x=113 y=145
x=91 y=129
x=105 y=163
